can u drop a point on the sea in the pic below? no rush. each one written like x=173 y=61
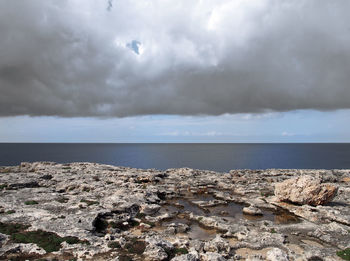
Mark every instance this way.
x=217 y=157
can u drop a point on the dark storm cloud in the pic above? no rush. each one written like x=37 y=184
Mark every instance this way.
x=73 y=58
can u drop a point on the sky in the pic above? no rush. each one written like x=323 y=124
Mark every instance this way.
x=174 y=71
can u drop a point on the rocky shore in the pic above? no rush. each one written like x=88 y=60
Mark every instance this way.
x=83 y=211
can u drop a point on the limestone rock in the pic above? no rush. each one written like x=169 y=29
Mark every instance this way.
x=276 y=254
x=305 y=190
x=252 y=210
x=155 y=253
x=186 y=257
x=210 y=256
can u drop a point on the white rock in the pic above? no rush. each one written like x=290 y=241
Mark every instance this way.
x=305 y=190
x=276 y=254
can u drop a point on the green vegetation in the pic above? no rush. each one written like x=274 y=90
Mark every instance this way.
x=133 y=223
x=89 y=202
x=10 y=212
x=11 y=228
x=175 y=251
x=49 y=241
x=3 y=186
x=180 y=251
x=140 y=215
x=273 y=231
x=31 y=202
x=66 y=167
x=114 y=244
x=344 y=254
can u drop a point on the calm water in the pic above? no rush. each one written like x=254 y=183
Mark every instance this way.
x=218 y=157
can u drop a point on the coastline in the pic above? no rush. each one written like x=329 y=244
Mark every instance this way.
x=105 y=212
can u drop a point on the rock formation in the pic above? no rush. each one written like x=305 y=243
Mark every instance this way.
x=87 y=211
x=305 y=190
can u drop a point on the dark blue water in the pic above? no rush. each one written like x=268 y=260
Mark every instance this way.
x=218 y=157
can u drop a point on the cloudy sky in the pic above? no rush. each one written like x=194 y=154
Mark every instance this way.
x=174 y=71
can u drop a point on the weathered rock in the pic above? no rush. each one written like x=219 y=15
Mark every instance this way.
x=119 y=213
x=276 y=254
x=186 y=257
x=252 y=210
x=305 y=190
x=149 y=209
x=155 y=253
x=212 y=257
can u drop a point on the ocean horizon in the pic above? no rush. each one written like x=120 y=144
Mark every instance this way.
x=220 y=157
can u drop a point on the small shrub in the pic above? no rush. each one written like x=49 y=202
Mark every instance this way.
x=114 y=244
x=152 y=224
x=11 y=228
x=49 y=241
x=344 y=254
x=133 y=223
x=10 y=212
x=140 y=215
x=273 y=231
x=3 y=186
x=180 y=251
x=31 y=202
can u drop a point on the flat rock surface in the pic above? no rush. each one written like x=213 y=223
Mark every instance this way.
x=103 y=212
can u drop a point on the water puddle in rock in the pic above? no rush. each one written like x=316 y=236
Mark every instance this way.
x=230 y=211
x=180 y=208
x=196 y=231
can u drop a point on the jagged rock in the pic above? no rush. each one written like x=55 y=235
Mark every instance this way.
x=157 y=215
x=187 y=257
x=217 y=245
x=155 y=253
x=305 y=190
x=149 y=209
x=276 y=254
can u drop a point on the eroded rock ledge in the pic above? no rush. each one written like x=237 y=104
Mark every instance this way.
x=82 y=211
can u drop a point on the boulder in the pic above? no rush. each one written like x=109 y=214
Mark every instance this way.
x=305 y=190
